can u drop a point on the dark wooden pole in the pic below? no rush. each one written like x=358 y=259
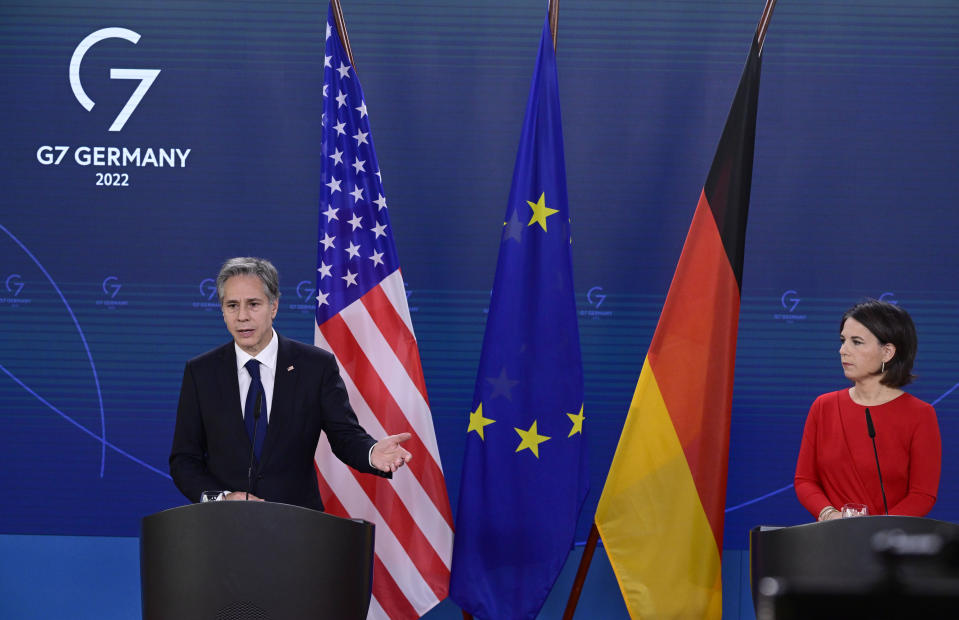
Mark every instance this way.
x=584 y=562
x=341 y=27
x=553 y=12
x=764 y=24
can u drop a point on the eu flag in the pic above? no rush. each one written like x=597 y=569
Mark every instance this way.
x=524 y=470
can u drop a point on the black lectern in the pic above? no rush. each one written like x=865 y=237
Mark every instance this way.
x=868 y=567
x=254 y=560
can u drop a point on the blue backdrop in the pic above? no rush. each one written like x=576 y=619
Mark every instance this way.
x=108 y=239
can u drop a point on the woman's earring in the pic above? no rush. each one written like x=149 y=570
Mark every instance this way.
x=883 y=369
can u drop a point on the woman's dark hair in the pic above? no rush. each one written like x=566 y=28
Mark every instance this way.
x=893 y=325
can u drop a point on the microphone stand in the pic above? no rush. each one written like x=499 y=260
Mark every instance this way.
x=872 y=435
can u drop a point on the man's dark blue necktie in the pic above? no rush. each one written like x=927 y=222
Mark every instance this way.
x=256 y=387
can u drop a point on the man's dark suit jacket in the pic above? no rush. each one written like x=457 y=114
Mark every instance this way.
x=211 y=448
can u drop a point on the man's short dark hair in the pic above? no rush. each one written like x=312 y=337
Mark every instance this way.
x=250 y=266
x=893 y=325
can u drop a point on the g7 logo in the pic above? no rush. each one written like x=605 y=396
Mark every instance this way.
x=790 y=300
x=111 y=286
x=208 y=288
x=307 y=295
x=146 y=76
x=14 y=282
x=597 y=292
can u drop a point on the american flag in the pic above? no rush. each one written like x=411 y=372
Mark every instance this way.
x=362 y=317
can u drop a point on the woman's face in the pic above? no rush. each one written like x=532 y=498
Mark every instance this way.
x=860 y=351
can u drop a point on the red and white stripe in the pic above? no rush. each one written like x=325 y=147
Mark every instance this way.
x=379 y=361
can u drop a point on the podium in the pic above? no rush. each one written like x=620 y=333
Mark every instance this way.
x=869 y=567
x=254 y=560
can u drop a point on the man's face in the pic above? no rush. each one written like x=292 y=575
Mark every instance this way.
x=248 y=313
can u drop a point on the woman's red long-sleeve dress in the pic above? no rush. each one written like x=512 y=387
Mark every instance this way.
x=837 y=465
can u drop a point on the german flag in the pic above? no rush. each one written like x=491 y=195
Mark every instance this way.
x=661 y=511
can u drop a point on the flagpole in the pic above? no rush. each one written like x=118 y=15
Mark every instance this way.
x=552 y=10
x=581 y=573
x=764 y=24
x=341 y=27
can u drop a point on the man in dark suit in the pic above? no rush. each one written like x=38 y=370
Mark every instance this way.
x=280 y=392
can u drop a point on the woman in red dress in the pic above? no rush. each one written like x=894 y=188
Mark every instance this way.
x=836 y=464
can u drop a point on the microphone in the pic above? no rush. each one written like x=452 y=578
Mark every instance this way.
x=256 y=420
x=872 y=435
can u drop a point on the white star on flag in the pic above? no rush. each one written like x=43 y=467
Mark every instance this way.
x=327 y=241
x=353 y=250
